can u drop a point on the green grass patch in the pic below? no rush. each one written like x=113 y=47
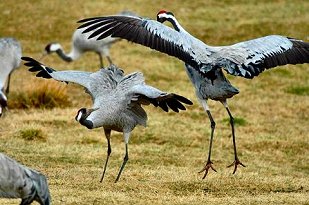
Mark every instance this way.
x=237 y=121
x=31 y=134
x=299 y=90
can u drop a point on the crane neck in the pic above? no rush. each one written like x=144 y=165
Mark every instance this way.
x=176 y=24
x=74 y=54
x=64 y=56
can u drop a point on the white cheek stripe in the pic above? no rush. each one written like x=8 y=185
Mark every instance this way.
x=164 y=15
x=55 y=47
x=3 y=96
x=79 y=116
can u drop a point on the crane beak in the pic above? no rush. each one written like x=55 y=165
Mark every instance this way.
x=91 y=110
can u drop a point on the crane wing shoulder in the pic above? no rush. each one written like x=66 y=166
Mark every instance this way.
x=104 y=81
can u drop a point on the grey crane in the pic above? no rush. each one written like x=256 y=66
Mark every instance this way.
x=10 y=54
x=80 y=45
x=203 y=63
x=19 y=181
x=117 y=100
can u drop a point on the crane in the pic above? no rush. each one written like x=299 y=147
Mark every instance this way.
x=117 y=100
x=80 y=45
x=10 y=54
x=203 y=63
x=19 y=181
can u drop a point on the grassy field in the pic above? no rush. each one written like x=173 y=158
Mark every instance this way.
x=272 y=111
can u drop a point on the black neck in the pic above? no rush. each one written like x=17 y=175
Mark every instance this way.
x=63 y=55
x=174 y=24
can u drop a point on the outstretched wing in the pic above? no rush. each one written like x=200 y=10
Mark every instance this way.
x=97 y=83
x=145 y=95
x=249 y=58
x=146 y=32
x=78 y=77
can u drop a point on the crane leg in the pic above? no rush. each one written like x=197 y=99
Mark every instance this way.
x=109 y=151
x=109 y=60
x=7 y=90
x=236 y=161
x=213 y=125
x=126 y=136
x=125 y=159
x=101 y=60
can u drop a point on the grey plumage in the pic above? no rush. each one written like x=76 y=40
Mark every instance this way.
x=117 y=99
x=10 y=54
x=80 y=45
x=246 y=59
x=19 y=181
x=203 y=63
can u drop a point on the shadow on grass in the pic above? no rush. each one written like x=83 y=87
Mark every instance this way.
x=235 y=187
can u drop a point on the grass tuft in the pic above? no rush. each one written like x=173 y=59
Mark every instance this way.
x=299 y=90
x=44 y=95
x=237 y=121
x=31 y=134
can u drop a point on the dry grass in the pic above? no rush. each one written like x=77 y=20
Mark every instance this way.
x=272 y=132
x=30 y=134
x=38 y=94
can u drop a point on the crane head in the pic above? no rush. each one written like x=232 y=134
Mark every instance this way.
x=82 y=115
x=3 y=102
x=163 y=16
x=52 y=47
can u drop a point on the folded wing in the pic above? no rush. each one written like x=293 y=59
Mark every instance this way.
x=145 y=95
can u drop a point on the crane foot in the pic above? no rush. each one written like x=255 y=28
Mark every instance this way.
x=206 y=168
x=235 y=164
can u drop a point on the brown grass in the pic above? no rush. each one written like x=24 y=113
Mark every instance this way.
x=166 y=156
x=40 y=94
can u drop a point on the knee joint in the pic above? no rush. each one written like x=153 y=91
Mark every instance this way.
x=213 y=125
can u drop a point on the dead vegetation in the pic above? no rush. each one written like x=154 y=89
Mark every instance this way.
x=40 y=94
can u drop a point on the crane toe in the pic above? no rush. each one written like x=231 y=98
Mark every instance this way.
x=235 y=164
x=206 y=169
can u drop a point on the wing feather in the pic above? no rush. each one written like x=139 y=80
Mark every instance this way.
x=78 y=77
x=95 y=83
x=249 y=58
x=145 y=94
x=146 y=32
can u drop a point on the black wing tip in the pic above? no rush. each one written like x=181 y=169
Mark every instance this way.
x=175 y=103
x=30 y=62
x=26 y=58
x=183 y=99
x=163 y=105
x=35 y=66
